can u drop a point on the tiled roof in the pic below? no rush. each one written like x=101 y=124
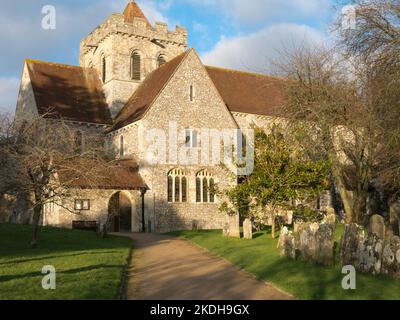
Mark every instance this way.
x=141 y=100
x=117 y=175
x=249 y=92
x=132 y=10
x=68 y=92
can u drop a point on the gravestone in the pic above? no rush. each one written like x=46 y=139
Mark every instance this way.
x=247 y=229
x=391 y=257
x=352 y=238
x=231 y=226
x=286 y=244
x=377 y=226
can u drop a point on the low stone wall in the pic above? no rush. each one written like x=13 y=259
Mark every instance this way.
x=375 y=251
x=313 y=242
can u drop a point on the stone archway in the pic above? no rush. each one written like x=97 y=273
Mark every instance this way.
x=120 y=213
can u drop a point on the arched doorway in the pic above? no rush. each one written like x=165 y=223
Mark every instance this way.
x=120 y=213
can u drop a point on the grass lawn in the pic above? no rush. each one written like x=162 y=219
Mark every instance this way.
x=260 y=256
x=87 y=266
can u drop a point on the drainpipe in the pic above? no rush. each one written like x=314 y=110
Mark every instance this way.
x=143 y=221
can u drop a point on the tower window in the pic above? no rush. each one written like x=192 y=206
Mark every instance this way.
x=135 y=66
x=161 y=60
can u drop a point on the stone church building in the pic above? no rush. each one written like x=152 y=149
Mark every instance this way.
x=135 y=77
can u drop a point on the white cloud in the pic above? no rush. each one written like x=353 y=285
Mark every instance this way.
x=253 y=11
x=152 y=12
x=8 y=94
x=256 y=51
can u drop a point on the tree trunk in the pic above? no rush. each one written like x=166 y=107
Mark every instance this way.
x=348 y=208
x=37 y=210
x=273 y=223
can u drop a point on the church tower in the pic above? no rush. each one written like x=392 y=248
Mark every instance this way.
x=126 y=48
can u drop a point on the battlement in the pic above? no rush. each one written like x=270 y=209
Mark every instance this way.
x=139 y=27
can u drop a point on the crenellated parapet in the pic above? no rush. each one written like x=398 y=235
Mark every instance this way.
x=139 y=28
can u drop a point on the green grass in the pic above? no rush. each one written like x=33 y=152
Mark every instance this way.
x=87 y=266
x=260 y=256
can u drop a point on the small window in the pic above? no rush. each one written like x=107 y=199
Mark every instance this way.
x=191 y=93
x=135 y=66
x=78 y=141
x=82 y=205
x=121 y=147
x=161 y=60
x=191 y=138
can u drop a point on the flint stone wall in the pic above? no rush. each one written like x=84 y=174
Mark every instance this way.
x=313 y=242
x=370 y=252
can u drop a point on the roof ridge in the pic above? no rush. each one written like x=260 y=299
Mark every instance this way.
x=134 y=95
x=258 y=74
x=28 y=60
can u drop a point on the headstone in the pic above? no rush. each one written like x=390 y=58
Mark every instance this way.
x=286 y=244
x=231 y=226
x=352 y=238
x=377 y=226
x=370 y=255
x=391 y=257
x=325 y=239
x=248 y=229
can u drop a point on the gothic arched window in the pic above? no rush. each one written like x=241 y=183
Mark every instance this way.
x=205 y=185
x=161 y=60
x=177 y=186
x=135 y=66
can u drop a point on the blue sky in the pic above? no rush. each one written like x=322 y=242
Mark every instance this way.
x=241 y=34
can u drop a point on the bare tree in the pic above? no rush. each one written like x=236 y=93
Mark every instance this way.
x=38 y=152
x=346 y=101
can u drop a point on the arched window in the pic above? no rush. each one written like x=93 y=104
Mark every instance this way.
x=177 y=186
x=103 y=69
x=121 y=147
x=135 y=66
x=205 y=187
x=161 y=60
